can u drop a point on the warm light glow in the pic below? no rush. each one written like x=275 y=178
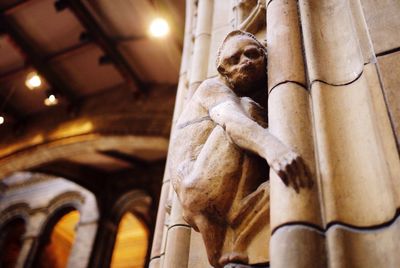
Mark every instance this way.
x=130 y=244
x=159 y=28
x=33 y=81
x=51 y=100
x=56 y=253
x=1 y=120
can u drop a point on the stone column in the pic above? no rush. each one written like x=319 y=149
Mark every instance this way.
x=290 y=119
x=24 y=258
x=83 y=244
x=102 y=249
x=164 y=207
x=30 y=241
x=171 y=242
x=338 y=109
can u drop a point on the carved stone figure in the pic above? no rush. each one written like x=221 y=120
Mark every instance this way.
x=219 y=148
x=250 y=15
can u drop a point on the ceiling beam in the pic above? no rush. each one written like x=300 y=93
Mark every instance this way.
x=36 y=59
x=135 y=161
x=109 y=46
x=13 y=6
x=78 y=173
x=8 y=109
x=11 y=74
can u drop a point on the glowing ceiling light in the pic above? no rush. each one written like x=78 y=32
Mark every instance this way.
x=2 y=120
x=159 y=28
x=51 y=100
x=33 y=81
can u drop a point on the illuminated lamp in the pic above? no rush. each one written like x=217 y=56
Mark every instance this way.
x=159 y=28
x=33 y=81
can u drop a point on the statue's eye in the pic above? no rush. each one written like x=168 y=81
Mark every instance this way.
x=252 y=53
x=234 y=60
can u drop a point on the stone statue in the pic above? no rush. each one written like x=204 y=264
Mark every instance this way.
x=222 y=151
x=250 y=15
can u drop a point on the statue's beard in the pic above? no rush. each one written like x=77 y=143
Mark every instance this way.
x=245 y=84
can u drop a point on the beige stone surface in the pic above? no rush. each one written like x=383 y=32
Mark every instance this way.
x=218 y=152
x=202 y=36
x=157 y=246
x=385 y=130
x=383 y=22
x=298 y=246
x=284 y=44
x=218 y=36
x=205 y=15
x=198 y=255
x=361 y=28
x=177 y=249
x=175 y=217
x=389 y=66
x=378 y=247
x=192 y=57
x=290 y=120
x=352 y=154
x=199 y=60
x=222 y=14
x=82 y=247
x=155 y=263
x=331 y=42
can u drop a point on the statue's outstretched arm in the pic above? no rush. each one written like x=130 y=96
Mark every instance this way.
x=249 y=135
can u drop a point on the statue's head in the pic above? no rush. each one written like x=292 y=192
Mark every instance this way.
x=242 y=61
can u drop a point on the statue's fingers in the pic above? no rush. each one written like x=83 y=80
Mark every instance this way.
x=280 y=172
x=300 y=172
x=295 y=184
x=291 y=168
x=284 y=177
x=295 y=175
x=309 y=176
x=293 y=179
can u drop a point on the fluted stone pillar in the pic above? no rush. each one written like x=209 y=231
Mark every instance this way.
x=338 y=109
x=166 y=226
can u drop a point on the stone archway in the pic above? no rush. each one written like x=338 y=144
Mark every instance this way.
x=136 y=202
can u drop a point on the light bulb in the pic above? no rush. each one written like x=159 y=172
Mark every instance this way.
x=1 y=120
x=33 y=81
x=159 y=28
x=51 y=100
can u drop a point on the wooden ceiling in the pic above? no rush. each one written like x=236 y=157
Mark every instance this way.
x=84 y=49
x=81 y=48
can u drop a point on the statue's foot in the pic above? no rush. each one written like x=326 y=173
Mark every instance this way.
x=233 y=257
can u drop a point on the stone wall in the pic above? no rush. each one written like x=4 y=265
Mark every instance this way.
x=333 y=96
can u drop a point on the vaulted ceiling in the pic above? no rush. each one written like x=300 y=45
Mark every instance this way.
x=109 y=75
x=81 y=48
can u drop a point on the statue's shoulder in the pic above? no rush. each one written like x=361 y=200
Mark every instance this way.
x=212 y=86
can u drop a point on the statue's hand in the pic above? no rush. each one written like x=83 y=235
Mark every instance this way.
x=291 y=169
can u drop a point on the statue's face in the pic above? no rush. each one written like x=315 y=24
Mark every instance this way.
x=243 y=63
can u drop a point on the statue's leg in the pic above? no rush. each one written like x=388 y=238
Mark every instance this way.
x=207 y=192
x=213 y=234
x=212 y=182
